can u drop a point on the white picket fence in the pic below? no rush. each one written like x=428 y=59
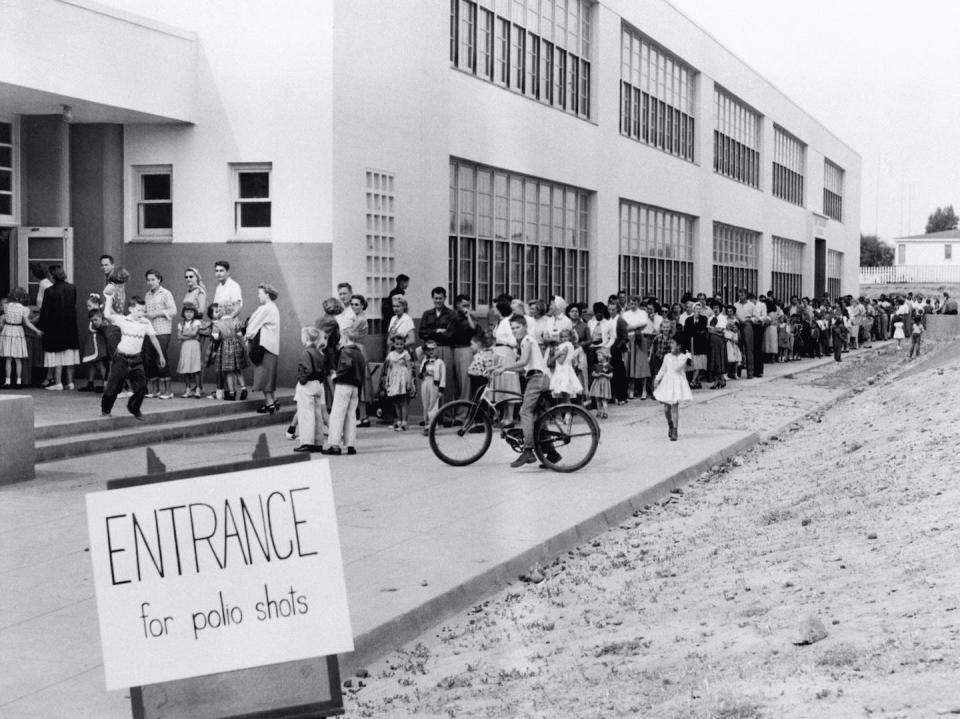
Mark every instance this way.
x=909 y=273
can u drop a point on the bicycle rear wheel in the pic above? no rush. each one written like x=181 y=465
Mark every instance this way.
x=566 y=437
x=460 y=433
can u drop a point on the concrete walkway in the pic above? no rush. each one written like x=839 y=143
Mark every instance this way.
x=420 y=540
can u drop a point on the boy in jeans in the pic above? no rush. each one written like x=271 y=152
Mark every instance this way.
x=533 y=366
x=127 y=361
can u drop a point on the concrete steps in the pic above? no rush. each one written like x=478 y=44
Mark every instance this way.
x=164 y=423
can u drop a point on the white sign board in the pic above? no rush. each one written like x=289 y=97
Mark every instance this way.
x=212 y=574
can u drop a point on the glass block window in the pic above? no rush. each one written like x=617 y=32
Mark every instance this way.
x=787 y=274
x=154 y=201
x=252 y=204
x=509 y=233
x=832 y=190
x=7 y=172
x=948 y=252
x=736 y=260
x=788 y=166
x=834 y=273
x=736 y=139
x=656 y=95
x=536 y=48
x=656 y=251
x=380 y=236
x=901 y=254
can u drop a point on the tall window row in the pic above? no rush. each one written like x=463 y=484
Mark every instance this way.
x=538 y=48
x=656 y=96
x=7 y=204
x=834 y=273
x=787 y=275
x=736 y=259
x=380 y=236
x=515 y=234
x=788 y=166
x=736 y=139
x=656 y=251
x=832 y=190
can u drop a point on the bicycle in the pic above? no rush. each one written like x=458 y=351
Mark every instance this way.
x=565 y=435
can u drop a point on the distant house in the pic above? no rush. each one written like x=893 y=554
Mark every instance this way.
x=936 y=249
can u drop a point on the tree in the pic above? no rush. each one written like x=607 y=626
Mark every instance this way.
x=875 y=252
x=943 y=218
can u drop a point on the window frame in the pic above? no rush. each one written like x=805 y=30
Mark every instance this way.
x=13 y=219
x=139 y=231
x=236 y=170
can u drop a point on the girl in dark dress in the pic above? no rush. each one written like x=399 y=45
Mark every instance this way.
x=696 y=342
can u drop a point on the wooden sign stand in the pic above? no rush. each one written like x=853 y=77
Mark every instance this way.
x=304 y=689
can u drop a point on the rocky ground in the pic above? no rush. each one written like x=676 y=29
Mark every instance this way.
x=816 y=575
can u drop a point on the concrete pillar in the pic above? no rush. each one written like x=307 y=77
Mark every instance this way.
x=17 y=452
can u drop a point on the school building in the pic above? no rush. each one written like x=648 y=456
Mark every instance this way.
x=520 y=146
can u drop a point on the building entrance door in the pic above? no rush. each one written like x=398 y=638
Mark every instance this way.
x=819 y=268
x=37 y=249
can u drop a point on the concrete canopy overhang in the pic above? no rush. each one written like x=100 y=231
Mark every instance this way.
x=107 y=65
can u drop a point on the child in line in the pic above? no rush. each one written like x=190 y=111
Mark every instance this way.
x=785 y=341
x=433 y=381
x=671 y=387
x=600 y=384
x=351 y=372
x=13 y=342
x=916 y=336
x=229 y=359
x=564 y=382
x=309 y=395
x=188 y=332
x=91 y=355
x=102 y=344
x=128 y=359
x=898 y=334
x=397 y=381
x=840 y=333
x=483 y=362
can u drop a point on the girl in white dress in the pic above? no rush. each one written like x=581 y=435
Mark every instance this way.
x=670 y=386
x=13 y=342
x=564 y=383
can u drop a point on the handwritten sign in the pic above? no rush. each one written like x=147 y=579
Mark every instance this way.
x=217 y=573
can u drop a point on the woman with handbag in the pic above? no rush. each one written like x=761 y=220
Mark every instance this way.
x=263 y=342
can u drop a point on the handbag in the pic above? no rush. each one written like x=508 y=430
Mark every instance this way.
x=256 y=349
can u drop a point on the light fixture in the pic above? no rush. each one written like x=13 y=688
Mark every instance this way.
x=67 y=113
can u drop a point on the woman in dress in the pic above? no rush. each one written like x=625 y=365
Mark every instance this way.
x=696 y=342
x=196 y=295
x=359 y=329
x=505 y=354
x=717 y=360
x=771 y=333
x=58 y=322
x=401 y=323
x=266 y=320
x=638 y=347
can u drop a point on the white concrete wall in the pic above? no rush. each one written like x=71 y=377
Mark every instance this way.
x=56 y=50
x=921 y=252
x=264 y=89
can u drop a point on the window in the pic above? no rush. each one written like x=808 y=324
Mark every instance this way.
x=380 y=236
x=735 y=260
x=656 y=95
x=154 y=199
x=537 y=48
x=788 y=166
x=832 y=190
x=251 y=200
x=834 y=273
x=901 y=254
x=948 y=252
x=656 y=251
x=8 y=173
x=787 y=275
x=509 y=233
x=736 y=139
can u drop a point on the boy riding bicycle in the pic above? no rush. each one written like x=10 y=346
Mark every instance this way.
x=533 y=366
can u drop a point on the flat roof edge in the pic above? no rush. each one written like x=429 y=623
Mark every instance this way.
x=131 y=18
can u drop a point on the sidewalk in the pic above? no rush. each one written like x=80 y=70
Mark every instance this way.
x=420 y=539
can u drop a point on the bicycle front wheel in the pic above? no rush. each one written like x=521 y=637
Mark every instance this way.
x=566 y=437
x=460 y=433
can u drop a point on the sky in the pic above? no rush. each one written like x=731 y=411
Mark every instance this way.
x=881 y=76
